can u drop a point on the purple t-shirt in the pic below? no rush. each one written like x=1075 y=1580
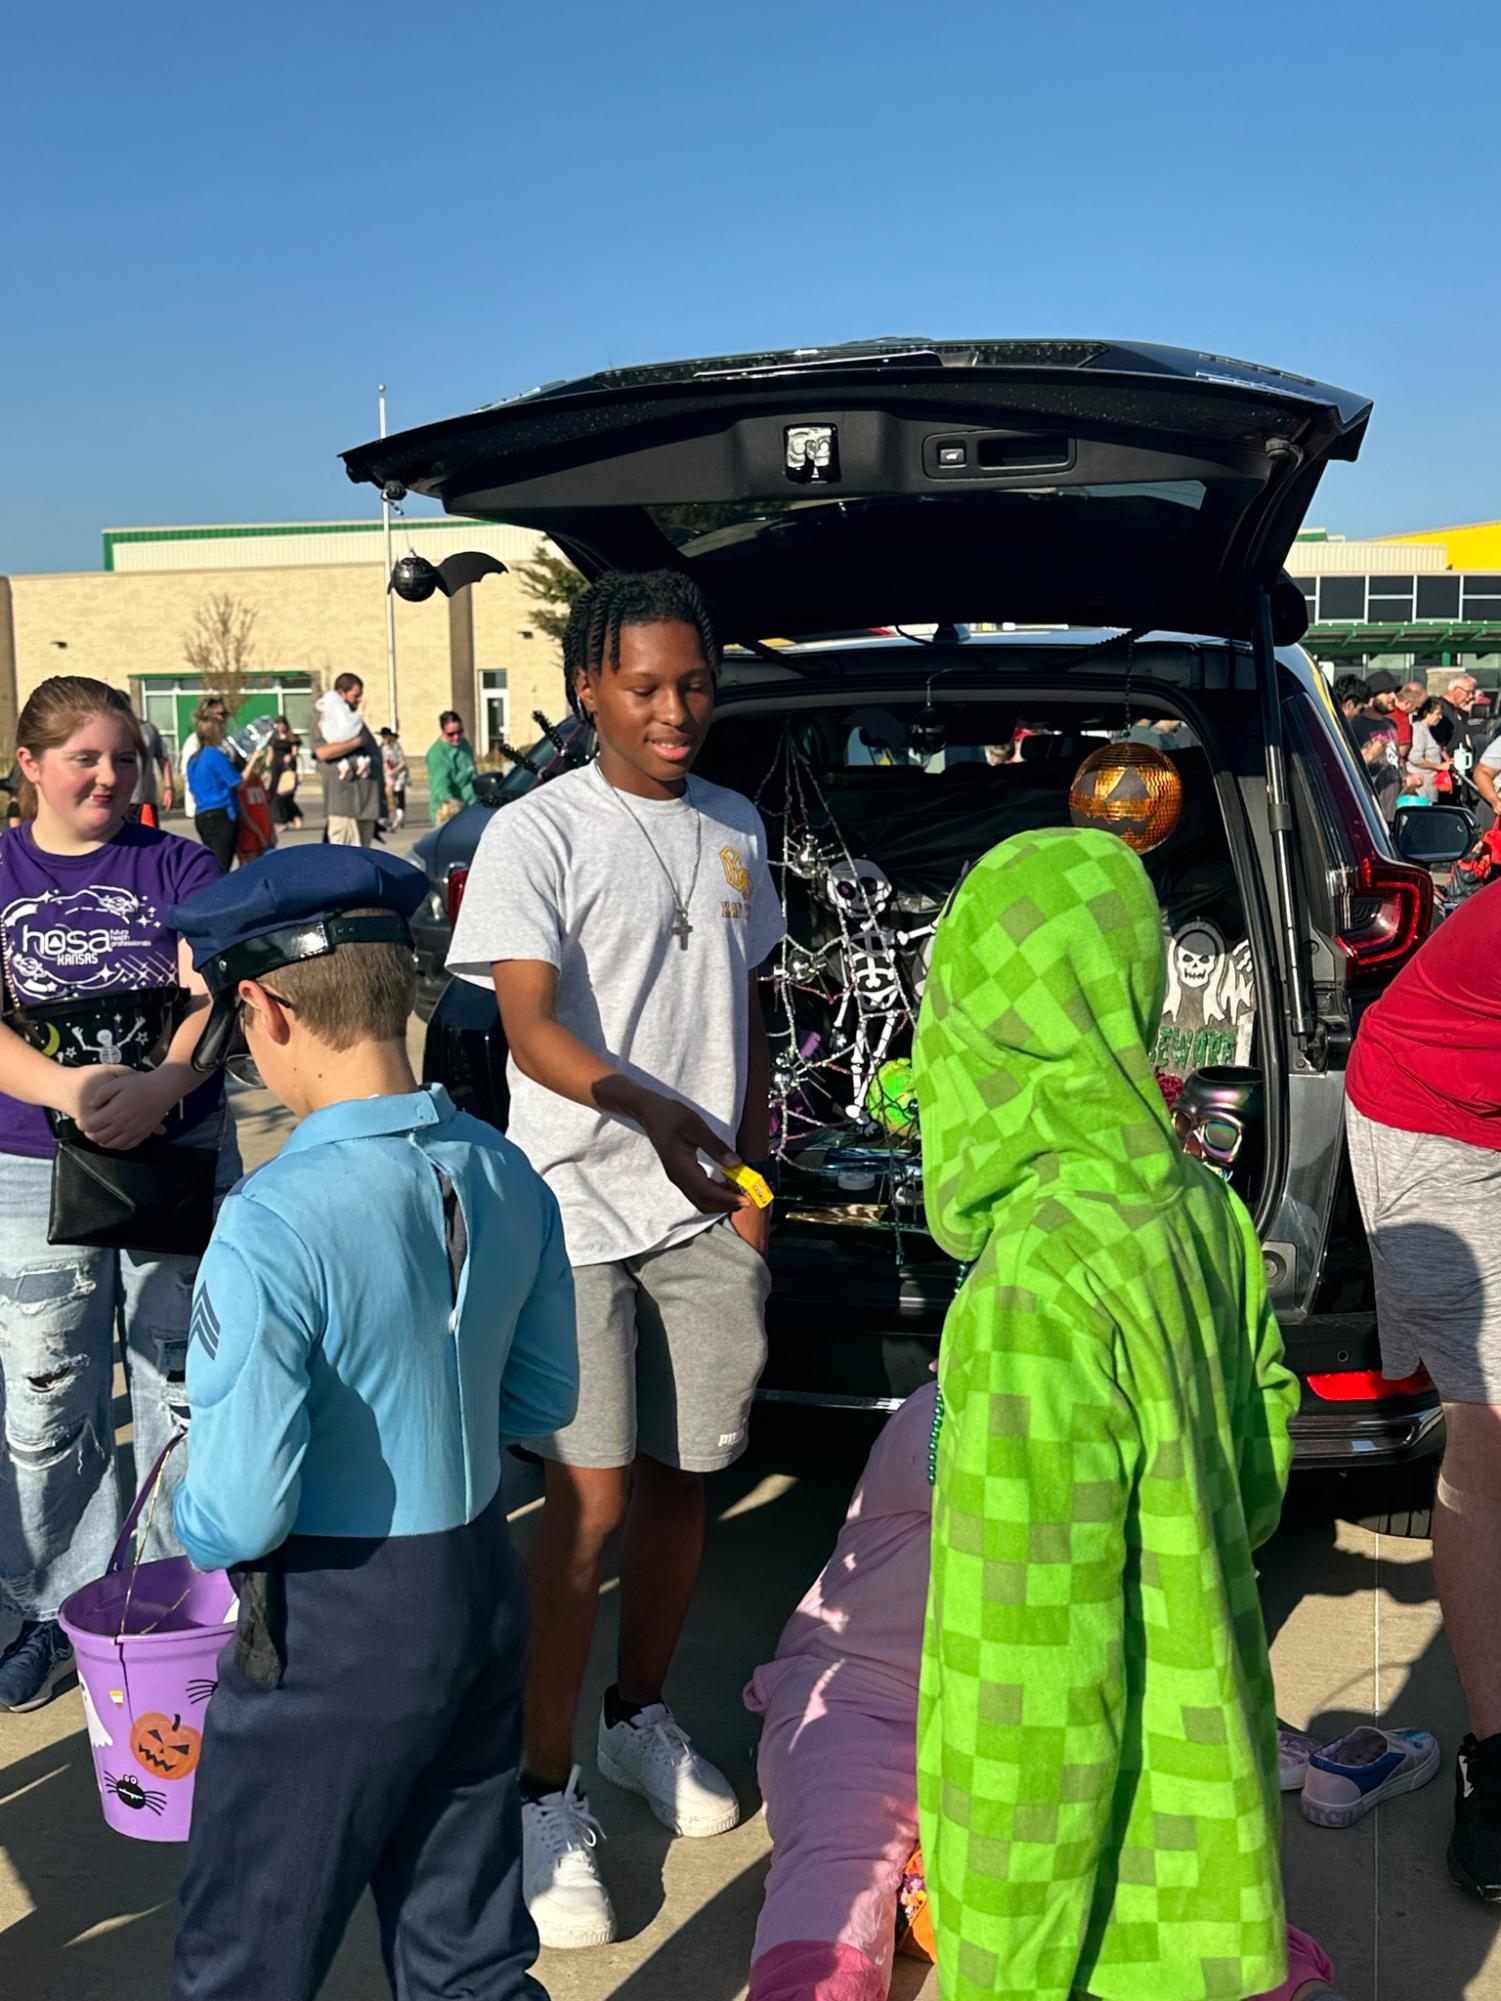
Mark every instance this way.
x=79 y=925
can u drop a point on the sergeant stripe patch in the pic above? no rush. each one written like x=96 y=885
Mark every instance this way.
x=204 y=1326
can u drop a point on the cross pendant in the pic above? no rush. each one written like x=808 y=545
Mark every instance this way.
x=680 y=929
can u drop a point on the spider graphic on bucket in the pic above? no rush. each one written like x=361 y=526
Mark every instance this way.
x=130 y=1792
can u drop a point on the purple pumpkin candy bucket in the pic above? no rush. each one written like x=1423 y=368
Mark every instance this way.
x=147 y=1637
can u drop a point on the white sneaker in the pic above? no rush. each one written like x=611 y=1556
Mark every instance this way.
x=560 y=1880
x=652 y=1756
x=1294 y=1749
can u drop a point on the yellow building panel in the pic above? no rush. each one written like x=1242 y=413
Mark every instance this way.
x=1475 y=545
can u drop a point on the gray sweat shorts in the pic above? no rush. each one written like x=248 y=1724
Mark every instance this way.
x=671 y=1346
x=1432 y=1212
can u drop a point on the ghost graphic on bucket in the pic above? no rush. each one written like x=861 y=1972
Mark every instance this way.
x=99 y=1737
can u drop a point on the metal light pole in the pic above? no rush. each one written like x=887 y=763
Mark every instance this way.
x=385 y=515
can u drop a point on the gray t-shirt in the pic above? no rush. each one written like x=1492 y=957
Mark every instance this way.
x=565 y=877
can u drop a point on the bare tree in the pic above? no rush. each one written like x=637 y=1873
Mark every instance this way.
x=219 y=646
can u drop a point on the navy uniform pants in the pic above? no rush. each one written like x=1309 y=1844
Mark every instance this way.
x=385 y=1757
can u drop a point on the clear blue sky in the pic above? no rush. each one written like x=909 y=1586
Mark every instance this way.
x=221 y=227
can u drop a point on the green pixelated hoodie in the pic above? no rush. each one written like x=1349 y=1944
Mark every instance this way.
x=1096 y=1737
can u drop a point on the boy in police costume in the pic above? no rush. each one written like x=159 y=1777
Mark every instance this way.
x=380 y=1306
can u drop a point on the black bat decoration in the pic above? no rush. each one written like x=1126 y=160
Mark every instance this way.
x=415 y=578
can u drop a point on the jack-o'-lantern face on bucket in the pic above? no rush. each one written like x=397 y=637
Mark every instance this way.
x=165 y=1746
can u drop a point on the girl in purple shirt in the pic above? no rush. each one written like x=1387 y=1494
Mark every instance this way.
x=82 y=892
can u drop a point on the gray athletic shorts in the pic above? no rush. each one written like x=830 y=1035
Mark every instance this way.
x=1432 y=1211
x=671 y=1346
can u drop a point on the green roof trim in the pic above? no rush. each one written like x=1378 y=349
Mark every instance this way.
x=1415 y=636
x=247 y=531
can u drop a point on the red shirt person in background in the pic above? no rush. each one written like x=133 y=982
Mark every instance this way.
x=1410 y=698
x=1423 y=1110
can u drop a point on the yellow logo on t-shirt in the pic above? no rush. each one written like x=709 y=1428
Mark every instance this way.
x=735 y=872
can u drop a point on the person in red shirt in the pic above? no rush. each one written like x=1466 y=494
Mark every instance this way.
x=1410 y=698
x=1423 y=1112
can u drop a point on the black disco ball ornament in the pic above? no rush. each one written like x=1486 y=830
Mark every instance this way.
x=414 y=579
x=1128 y=789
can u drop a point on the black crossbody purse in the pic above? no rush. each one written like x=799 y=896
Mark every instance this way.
x=157 y=1197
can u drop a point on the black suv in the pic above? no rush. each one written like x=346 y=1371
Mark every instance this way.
x=947 y=573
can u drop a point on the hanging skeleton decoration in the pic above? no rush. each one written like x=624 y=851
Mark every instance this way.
x=845 y=1004
x=874 y=1004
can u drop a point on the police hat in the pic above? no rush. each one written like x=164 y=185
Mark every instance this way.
x=287 y=906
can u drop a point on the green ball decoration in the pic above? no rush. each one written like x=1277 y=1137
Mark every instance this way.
x=891 y=1099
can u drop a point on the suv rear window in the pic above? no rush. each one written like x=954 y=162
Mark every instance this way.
x=702 y=527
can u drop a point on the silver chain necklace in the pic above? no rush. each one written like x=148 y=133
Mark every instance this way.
x=681 y=926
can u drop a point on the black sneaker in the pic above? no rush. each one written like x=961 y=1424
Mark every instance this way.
x=1475 y=1846
x=36 y=1665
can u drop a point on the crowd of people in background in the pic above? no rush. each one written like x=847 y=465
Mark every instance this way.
x=364 y=776
x=1420 y=748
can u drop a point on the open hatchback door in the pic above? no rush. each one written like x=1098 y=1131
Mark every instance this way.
x=888 y=483
x=1085 y=483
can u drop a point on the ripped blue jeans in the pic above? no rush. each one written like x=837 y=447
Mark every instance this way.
x=62 y=1311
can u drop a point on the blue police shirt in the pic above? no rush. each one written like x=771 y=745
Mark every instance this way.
x=380 y=1306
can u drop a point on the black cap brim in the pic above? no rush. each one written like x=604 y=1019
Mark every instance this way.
x=289 y=945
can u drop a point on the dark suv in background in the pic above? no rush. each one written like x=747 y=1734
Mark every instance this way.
x=1119 y=517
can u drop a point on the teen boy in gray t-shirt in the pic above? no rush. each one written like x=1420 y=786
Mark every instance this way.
x=621 y=911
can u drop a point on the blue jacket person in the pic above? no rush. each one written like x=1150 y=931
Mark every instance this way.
x=380 y=1307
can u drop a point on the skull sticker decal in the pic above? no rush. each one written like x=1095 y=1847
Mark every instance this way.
x=1209 y=1014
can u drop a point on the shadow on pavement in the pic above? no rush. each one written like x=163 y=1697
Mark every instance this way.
x=104 y=1909
x=1377 y=1895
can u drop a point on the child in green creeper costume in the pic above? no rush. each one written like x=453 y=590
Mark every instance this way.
x=1096 y=1736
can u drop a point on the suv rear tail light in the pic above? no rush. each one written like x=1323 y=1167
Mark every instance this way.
x=1367 y=1385
x=457 y=878
x=1391 y=913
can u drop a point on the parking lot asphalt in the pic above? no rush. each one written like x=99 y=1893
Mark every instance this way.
x=88 y=1916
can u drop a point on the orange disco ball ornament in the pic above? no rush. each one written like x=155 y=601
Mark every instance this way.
x=1128 y=789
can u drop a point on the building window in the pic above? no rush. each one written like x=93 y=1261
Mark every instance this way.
x=494 y=709
x=1342 y=599
x=1438 y=597
x=1482 y=596
x=1390 y=601
x=168 y=700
